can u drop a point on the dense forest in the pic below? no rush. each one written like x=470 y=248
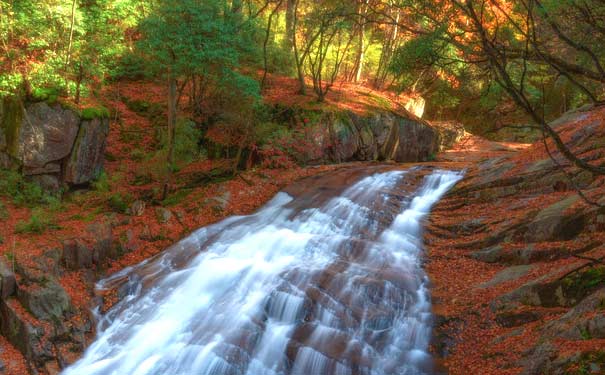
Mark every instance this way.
x=305 y=187
x=470 y=60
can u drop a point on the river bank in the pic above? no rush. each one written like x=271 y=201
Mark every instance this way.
x=513 y=255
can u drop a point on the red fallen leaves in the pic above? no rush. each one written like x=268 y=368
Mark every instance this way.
x=484 y=347
x=343 y=95
x=13 y=359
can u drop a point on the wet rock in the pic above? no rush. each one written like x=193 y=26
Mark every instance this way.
x=554 y=224
x=86 y=160
x=76 y=255
x=163 y=215
x=137 y=208
x=8 y=283
x=47 y=301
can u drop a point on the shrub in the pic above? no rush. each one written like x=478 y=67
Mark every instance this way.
x=24 y=193
x=186 y=140
x=3 y=212
x=138 y=155
x=118 y=203
x=101 y=184
x=38 y=223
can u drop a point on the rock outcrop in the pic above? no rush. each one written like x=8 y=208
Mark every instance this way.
x=516 y=256
x=335 y=136
x=51 y=144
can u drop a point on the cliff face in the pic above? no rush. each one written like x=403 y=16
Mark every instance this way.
x=376 y=135
x=51 y=144
x=516 y=257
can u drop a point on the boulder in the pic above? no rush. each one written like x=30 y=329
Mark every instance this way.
x=554 y=223
x=50 y=143
x=76 y=255
x=8 y=282
x=137 y=208
x=102 y=241
x=163 y=215
x=47 y=301
x=508 y=274
x=27 y=338
x=46 y=135
x=86 y=160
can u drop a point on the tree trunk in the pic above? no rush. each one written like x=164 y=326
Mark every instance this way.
x=290 y=23
x=266 y=42
x=71 y=38
x=79 y=83
x=297 y=59
x=361 y=51
x=360 y=54
x=172 y=98
x=236 y=6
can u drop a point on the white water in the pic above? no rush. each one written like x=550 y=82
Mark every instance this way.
x=336 y=289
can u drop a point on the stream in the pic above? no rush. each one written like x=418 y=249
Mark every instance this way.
x=326 y=278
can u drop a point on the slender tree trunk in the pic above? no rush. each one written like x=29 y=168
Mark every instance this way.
x=236 y=6
x=266 y=41
x=361 y=46
x=290 y=24
x=297 y=59
x=79 y=83
x=71 y=38
x=360 y=54
x=172 y=99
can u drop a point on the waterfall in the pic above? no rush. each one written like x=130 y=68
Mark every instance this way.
x=335 y=287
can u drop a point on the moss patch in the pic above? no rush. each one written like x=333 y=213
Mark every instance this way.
x=92 y=113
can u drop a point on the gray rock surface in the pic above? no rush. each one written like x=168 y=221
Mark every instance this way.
x=86 y=160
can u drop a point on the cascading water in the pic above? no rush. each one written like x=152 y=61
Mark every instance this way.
x=335 y=288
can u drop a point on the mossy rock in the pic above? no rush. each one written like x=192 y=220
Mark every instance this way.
x=45 y=94
x=92 y=113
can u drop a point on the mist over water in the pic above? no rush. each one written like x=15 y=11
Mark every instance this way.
x=317 y=284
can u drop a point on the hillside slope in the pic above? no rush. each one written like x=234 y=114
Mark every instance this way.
x=516 y=257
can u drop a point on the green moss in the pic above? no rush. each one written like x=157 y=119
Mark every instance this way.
x=44 y=94
x=92 y=113
x=586 y=280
